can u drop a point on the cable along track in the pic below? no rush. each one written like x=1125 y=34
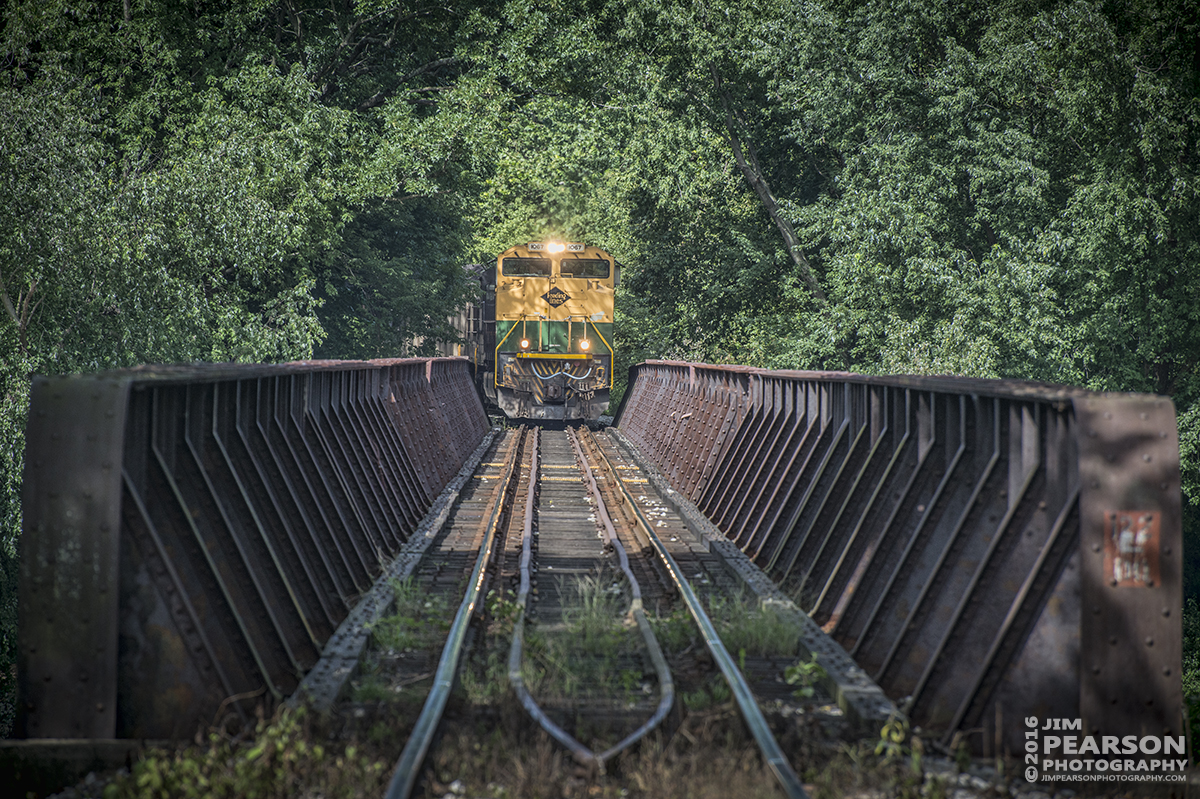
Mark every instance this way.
x=568 y=538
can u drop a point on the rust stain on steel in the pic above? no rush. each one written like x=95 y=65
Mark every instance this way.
x=1131 y=548
x=1131 y=632
x=960 y=537
x=195 y=534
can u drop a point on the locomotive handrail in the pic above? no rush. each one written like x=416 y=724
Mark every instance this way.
x=496 y=368
x=611 y=354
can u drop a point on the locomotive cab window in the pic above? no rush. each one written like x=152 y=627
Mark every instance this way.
x=526 y=267
x=584 y=267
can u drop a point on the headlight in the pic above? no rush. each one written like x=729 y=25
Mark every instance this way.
x=524 y=343
x=555 y=246
x=584 y=344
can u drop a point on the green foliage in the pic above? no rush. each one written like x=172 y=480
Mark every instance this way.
x=189 y=183
x=891 y=739
x=486 y=683
x=978 y=191
x=372 y=688
x=584 y=656
x=392 y=280
x=676 y=631
x=715 y=692
x=282 y=761
x=859 y=768
x=594 y=616
x=502 y=610
x=962 y=755
x=755 y=627
x=806 y=674
x=1191 y=651
x=416 y=621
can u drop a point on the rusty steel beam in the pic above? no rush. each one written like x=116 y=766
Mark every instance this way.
x=987 y=550
x=194 y=535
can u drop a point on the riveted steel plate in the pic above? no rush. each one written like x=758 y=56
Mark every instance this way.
x=1132 y=566
x=67 y=661
x=194 y=534
x=1012 y=547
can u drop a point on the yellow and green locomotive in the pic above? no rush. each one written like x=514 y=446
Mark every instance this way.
x=541 y=340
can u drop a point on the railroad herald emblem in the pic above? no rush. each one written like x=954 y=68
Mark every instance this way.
x=556 y=297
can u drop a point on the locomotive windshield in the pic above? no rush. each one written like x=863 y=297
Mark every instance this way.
x=526 y=267
x=584 y=267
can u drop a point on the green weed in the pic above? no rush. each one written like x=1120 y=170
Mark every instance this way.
x=371 y=688
x=595 y=627
x=417 y=621
x=891 y=739
x=962 y=755
x=502 y=610
x=282 y=761
x=486 y=685
x=595 y=617
x=805 y=674
x=676 y=631
x=716 y=692
x=753 y=626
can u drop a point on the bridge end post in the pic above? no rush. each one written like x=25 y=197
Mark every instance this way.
x=70 y=558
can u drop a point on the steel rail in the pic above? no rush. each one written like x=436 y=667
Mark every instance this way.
x=759 y=728
x=666 y=684
x=407 y=767
x=579 y=751
x=516 y=646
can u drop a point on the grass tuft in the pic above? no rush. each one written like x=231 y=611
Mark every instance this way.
x=283 y=760
x=750 y=625
x=417 y=621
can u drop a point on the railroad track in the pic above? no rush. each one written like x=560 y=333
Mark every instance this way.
x=272 y=515
x=559 y=543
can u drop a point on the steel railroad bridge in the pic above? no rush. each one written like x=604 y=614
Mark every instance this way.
x=966 y=552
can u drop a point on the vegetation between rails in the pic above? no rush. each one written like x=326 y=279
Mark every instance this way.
x=710 y=755
x=596 y=653
x=489 y=749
